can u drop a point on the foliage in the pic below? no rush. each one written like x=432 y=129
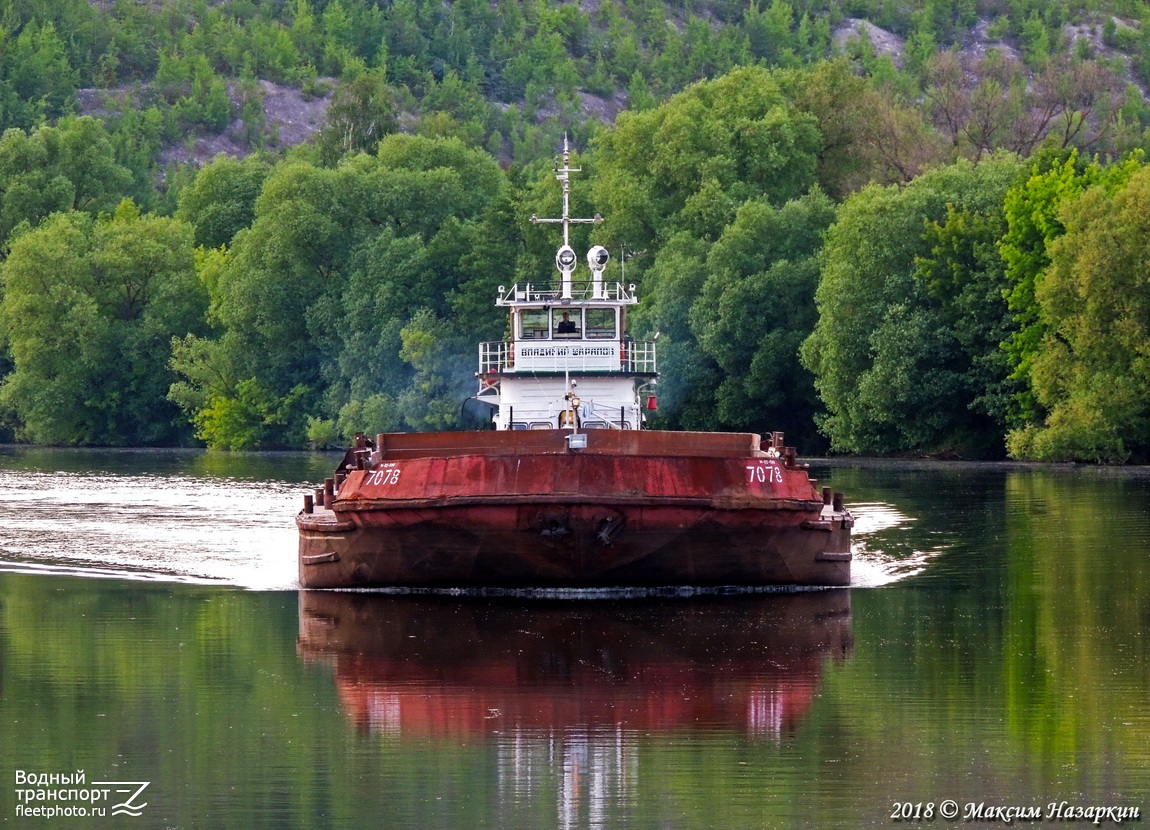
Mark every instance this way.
x=1091 y=369
x=909 y=305
x=37 y=82
x=755 y=310
x=360 y=115
x=1032 y=210
x=468 y=61
x=343 y=284
x=221 y=200
x=713 y=181
x=62 y=168
x=690 y=163
x=867 y=134
x=324 y=296
x=1069 y=103
x=671 y=285
x=89 y=308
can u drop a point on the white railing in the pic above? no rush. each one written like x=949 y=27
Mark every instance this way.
x=614 y=292
x=493 y=356
x=575 y=356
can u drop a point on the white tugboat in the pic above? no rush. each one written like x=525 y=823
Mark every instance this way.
x=568 y=489
x=570 y=362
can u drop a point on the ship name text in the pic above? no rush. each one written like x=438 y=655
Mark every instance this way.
x=567 y=351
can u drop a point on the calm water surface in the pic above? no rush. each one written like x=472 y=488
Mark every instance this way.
x=994 y=649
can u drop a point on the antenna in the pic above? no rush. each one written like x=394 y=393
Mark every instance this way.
x=565 y=259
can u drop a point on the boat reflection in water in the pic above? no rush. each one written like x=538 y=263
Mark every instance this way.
x=565 y=691
x=468 y=668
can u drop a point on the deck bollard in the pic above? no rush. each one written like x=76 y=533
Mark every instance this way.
x=308 y=503
x=838 y=503
x=328 y=492
x=826 y=495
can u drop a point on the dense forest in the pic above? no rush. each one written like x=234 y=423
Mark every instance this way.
x=913 y=228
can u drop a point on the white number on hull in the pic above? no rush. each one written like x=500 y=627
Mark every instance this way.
x=764 y=474
x=382 y=477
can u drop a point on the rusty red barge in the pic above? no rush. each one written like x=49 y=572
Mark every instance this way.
x=568 y=489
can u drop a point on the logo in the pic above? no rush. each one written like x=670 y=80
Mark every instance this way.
x=126 y=807
x=70 y=794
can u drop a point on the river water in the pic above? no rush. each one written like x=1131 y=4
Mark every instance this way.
x=993 y=653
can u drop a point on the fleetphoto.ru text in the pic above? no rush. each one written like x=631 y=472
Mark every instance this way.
x=71 y=795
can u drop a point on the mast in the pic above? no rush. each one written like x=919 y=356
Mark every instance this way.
x=565 y=258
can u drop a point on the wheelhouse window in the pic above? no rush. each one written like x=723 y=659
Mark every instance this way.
x=566 y=323
x=601 y=323
x=533 y=324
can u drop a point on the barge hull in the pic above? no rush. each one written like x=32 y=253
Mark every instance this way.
x=549 y=545
x=506 y=509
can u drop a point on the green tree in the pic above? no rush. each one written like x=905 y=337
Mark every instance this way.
x=291 y=258
x=404 y=280
x=432 y=347
x=221 y=201
x=312 y=298
x=137 y=138
x=1033 y=211
x=689 y=377
x=866 y=133
x=90 y=307
x=756 y=309
x=229 y=412
x=37 y=82
x=703 y=153
x=1091 y=369
x=963 y=276
x=67 y=167
x=693 y=187
x=769 y=32
x=361 y=113
x=888 y=349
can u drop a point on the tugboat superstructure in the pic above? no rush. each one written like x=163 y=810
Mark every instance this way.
x=570 y=362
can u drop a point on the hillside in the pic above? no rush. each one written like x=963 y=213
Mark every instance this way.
x=192 y=78
x=251 y=223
